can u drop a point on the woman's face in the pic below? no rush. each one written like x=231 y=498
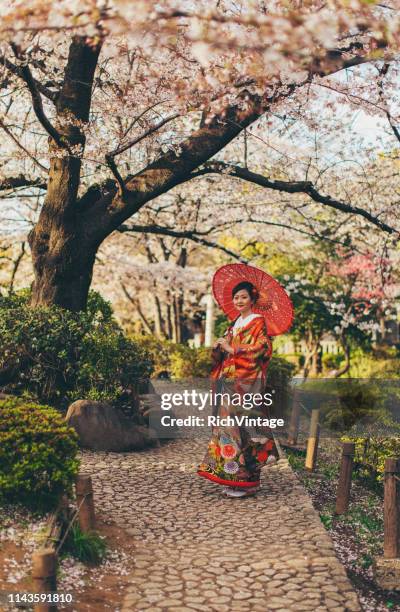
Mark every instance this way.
x=242 y=300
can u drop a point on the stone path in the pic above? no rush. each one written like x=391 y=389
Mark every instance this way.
x=197 y=550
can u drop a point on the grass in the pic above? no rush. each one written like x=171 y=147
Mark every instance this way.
x=89 y=548
x=326 y=519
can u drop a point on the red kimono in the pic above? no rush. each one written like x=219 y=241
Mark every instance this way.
x=236 y=453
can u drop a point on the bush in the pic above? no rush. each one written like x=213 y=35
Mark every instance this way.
x=279 y=375
x=371 y=452
x=181 y=361
x=159 y=350
x=109 y=362
x=37 y=454
x=280 y=372
x=178 y=361
x=54 y=355
x=378 y=363
x=221 y=325
x=331 y=361
x=187 y=362
x=351 y=404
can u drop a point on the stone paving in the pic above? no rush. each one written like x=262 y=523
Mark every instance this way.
x=198 y=550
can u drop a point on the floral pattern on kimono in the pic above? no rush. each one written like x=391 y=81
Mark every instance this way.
x=234 y=455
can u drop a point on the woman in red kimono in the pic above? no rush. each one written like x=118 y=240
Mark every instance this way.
x=236 y=454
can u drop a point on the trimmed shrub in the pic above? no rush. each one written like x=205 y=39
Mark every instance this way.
x=109 y=363
x=221 y=325
x=55 y=356
x=38 y=454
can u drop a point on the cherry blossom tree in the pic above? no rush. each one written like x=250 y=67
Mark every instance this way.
x=347 y=295
x=108 y=105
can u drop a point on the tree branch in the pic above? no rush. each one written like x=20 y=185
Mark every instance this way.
x=113 y=167
x=136 y=304
x=21 y=181
x=151 y=130
x=110 y=157
x=314 y=235
x=37 y=103
x=305 y=187
x=190 y=235
x=15 y=267
x=383 y=72
x=172 y=169
x=17 y=71
x=21 y=146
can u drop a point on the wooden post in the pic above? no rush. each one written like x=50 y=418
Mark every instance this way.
x=44 y=571
x=391 y=510
x=312 y=444
x=294 y=420
x=344 y=485
x=84 y=500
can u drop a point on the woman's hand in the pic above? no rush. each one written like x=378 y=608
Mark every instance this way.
x=224 y=345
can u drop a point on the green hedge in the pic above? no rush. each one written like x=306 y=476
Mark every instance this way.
x=56 y=356
x=38 y=454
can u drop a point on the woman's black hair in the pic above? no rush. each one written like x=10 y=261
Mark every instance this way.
x=247 y=286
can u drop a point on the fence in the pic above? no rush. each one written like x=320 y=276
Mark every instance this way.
x=45 y=559
x=391 y=502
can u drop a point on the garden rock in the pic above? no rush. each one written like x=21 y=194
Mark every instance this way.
x=150 y=408
x=101 y=427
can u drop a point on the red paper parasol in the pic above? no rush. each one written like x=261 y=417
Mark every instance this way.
x=273 y=302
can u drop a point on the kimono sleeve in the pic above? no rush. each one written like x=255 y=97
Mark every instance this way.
x=217 y=356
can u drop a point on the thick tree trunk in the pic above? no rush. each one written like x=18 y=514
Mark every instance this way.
x=158 y=322
x=312 y=345
x=176 y=336
x=169 y=315
x=63 y=267
x=346 y=366
x=315 y=362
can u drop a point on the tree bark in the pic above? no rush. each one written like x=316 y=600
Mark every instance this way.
x=314 y=370
x=63 y=267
